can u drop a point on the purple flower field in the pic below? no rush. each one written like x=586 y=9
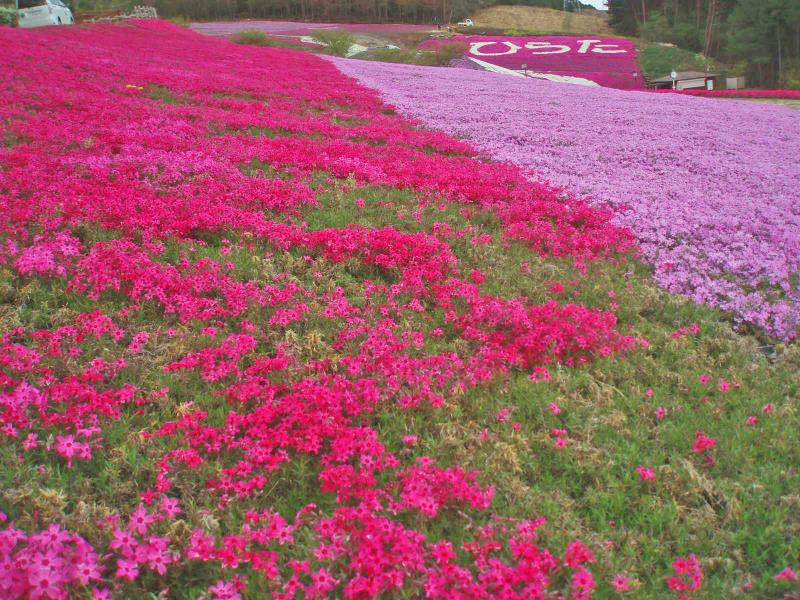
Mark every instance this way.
x=297 y=29
x=711 y=188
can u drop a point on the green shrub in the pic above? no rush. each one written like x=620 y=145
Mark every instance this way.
x=441 y=55
x=180 y=20
x=338 y=42
x=681 y=33
x=251 y=37
x=254 y=37
x=656 y=29
x=657 y=60
x=425 y=58
x=394 y=55
x=8 y=16
x=447 y=52
x=790 y=79
x=688 y=35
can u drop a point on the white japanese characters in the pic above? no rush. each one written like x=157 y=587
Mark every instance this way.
x=495 y=48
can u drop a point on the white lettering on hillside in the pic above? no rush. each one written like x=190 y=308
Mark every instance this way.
x=599 y=49
x=584 y=47
x=476 y=48
x=543 y=47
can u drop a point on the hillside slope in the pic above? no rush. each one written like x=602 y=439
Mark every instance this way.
x=541 y=20
x=261 y=336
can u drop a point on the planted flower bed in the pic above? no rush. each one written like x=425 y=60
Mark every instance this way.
x=710 y=190
x=260 y=336
x=167 y=204
x=773 y=94
x=300 y=29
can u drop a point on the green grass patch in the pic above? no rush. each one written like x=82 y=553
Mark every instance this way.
x=337 y=42
x=658 y=60
x=251 y=37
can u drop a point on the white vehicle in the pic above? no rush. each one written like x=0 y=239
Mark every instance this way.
x=466 y=23
x=37 y=13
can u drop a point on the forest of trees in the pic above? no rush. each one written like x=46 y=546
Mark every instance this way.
x=413 y=11
x=762 y=36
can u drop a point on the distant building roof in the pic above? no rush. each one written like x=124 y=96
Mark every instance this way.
x=683 y=75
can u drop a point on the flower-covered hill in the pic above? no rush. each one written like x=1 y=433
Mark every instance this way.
x=260 y=336
x=608 y=62
x=710 y=189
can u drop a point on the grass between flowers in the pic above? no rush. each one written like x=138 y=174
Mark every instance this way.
x=261 y=335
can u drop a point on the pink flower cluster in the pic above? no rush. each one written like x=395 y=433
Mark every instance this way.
x=74 y=404
x=55 y=561
x=709 y=189
x=774 y=94
x=45 y=564
x=688 y=575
